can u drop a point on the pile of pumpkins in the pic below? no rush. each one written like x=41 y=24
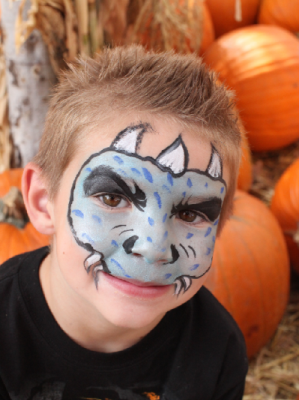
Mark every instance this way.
x=252 y=46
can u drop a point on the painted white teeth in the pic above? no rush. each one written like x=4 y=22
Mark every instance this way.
x=94 y=258
x=187 y=282
x=178 y=287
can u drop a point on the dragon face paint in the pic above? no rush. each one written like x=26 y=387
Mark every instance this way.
x=159 y=191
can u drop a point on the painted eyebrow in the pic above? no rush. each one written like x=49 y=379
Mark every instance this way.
x=210 y=208
x=103 y=179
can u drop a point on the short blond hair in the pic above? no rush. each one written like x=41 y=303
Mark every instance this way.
x=129 y=79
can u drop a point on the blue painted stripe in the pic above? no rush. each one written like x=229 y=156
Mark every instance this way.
x=97 y=219
x=189 y=235
x=151 y=221
x=149 y=239
x=113 y=242
x=78 y=213
x=147 y=175
x=166 y=276
x=85 y=236
x=189 y=183
x=195 y=266
x=170 y=179
x=158 y=198
x=118 y=160
x=136 y=171
x=164 y=218
x=209 y=230
x=120 y=267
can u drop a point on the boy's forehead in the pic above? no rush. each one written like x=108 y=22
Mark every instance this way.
x=162 y=132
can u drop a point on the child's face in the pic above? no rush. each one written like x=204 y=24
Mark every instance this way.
x=136 y=218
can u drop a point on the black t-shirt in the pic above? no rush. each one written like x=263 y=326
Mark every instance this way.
x=195 y=352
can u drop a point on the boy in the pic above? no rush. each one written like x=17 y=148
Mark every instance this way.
x=139 y=155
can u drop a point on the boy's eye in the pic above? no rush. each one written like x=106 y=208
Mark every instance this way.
x=113 y=200
x=188 y=216
x=191 y=216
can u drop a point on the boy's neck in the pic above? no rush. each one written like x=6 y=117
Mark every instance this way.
x=80 y=321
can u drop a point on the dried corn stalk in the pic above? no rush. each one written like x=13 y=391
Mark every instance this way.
x=57 y=22
x=5 y=144
x=167 y=24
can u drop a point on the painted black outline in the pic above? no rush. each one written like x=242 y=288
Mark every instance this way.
x=194 y=252
x=185 y=250
x=152 y=160
x=117 y=226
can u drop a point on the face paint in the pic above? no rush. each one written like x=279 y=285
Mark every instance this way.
x=123 y=206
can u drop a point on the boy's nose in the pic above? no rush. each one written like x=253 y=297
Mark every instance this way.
x=149 y=250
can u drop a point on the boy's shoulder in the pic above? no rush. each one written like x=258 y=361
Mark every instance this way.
x=9 y=270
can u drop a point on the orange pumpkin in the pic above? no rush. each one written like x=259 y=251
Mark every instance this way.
x=284 y=13
x=245 y=171
x=232 y=14
x=261 y=63
x=14 y=240
x=285 y=206
x=182 y=25
x=250 y=271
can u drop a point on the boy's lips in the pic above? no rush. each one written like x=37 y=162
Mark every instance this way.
x=135 y=288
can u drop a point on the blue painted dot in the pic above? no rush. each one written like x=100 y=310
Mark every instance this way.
x=189 y=235
x=136 y=171
x=170 y=179
x=166 y=188
x=97 y=219
x=206 y=185
x=195 y=266
x=118 y=159
x=88 y=169
x=189 y=183
x=85 y=235
x=216 y=222
x=209 y=230
x=213 y=239
x=184 y=194
x=149 y=239
x=151 y=221
x=147 y=175
x=113 y=242
x=222 y=189
x=166 y=276
x=164 y=218
x=208 y=251
x=163 y=250
x=165 y=235
x=78 y=213
x=158 y=198
x=122 y=172
x=120 y=267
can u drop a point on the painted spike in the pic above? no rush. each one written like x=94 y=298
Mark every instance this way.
x=178 y=286
x=129 y=139
x=215 y=165
x=187 y=282
x=92 y=260
x=174 y=157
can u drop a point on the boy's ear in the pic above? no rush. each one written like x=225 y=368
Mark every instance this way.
x=36 y=199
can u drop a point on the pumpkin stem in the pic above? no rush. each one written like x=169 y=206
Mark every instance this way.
x=12 y=208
